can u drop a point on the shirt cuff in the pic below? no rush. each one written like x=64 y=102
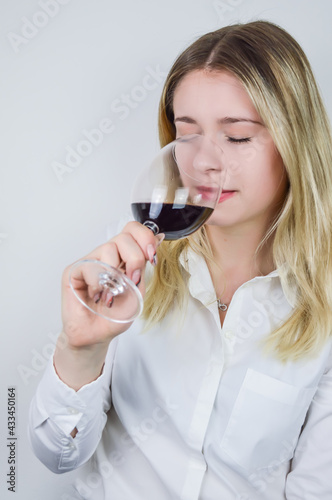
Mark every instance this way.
x=68 y=408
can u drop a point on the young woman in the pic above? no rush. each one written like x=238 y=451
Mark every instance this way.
x=224 y=388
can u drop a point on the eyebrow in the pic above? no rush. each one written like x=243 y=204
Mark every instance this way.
x=222 y=121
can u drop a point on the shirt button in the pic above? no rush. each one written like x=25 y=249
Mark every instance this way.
x=68 y=443
x=71 y=410
x=198 y=464
x=229 y=335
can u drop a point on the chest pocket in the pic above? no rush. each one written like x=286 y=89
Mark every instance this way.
x=265 y=422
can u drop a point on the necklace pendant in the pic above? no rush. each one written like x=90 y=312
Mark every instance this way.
x=221 y=306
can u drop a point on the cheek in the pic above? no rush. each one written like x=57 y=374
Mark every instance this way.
x=262 y=172
x=272 y=182
x=243 y=161
x=277 y=172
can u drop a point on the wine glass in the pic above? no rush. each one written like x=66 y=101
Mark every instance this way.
x=175 y=196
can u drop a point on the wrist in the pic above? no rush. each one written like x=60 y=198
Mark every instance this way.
x=78 y=366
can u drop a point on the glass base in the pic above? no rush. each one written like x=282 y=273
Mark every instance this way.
x=105 y=291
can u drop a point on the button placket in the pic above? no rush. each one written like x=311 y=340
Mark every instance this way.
x=69 y=454
x=229 y=335
x=192 y=485
x=206 y=398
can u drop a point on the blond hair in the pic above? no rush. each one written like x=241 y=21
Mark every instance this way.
x=277 y=76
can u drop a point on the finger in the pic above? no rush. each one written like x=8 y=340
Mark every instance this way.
x=145 y=239
x=123 y=253
x=140 y=239
x=130 y=250
x=87 y=279
x=108 y=253
x=132 y=254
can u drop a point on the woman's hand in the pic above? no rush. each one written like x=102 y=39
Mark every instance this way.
x=86 y=336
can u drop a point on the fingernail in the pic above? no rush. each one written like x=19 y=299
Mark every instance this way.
x=152 y=254
x=96 y=298
x=109 y=299
x=160 y=237
x=136 y=277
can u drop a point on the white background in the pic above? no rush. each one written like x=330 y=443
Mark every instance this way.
x=61 y=78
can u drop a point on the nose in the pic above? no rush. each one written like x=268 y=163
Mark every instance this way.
x=198 y=154
x=207 y=156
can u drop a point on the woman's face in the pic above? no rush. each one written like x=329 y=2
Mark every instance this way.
x=215 y=105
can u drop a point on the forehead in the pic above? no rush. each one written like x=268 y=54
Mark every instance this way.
x=210 y=77
x=212 y=91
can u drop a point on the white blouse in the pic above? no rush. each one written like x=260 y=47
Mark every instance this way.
x=189 y=410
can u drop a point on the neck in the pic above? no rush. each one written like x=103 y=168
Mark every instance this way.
x=235 y=258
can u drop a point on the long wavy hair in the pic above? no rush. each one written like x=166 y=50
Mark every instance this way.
x=277 y=76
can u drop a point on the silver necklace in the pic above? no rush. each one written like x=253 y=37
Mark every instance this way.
x=223 y=307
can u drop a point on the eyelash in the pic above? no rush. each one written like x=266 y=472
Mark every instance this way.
x=239 y=141
x=233 y=140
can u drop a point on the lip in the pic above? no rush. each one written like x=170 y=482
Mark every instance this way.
x=225 y=195
x=207 y=193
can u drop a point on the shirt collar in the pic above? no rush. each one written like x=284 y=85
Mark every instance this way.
x=200 y=282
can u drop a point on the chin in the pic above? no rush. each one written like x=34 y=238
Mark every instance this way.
x=216 y=220
x=224 y=219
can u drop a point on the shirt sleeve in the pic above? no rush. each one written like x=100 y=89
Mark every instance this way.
x=57 y=409
x=310 y=477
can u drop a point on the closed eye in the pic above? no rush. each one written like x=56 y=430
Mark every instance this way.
x=238 y=141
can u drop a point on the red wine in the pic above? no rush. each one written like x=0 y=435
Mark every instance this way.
x=175 y=222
